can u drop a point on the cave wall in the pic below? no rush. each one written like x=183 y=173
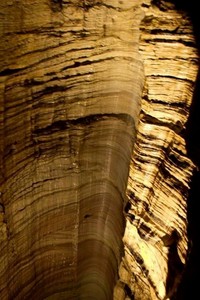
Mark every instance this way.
x=157 y=245
x=86 y=205
x=71 y=85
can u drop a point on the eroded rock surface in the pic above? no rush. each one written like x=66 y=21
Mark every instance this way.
x=71 y=81
x=156 y=243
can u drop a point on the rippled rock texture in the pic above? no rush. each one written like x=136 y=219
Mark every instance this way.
x=71 y=81
x=156 y=238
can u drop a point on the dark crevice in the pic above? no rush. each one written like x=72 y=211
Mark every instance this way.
x=56 y=5
x=79 y=64
x=175 y=269
x=8 y=71
x=88 y=4
x=165 y=40
x=52 y=89
x=87 y=120
x=87 y=63
x=32 y=82
x=2 y=208
x=86 y=216
x=145 y=5
x=179 y=105
x=172 y=77
x=162 y=31
x=128 y=292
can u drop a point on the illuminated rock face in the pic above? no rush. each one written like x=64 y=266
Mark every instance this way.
x=71 y=77
x=155 y=238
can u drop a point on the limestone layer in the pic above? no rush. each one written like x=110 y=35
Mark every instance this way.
x=155 y=239
x=71 y=79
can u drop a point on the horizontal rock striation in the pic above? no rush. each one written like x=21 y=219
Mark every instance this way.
x=155 y=239
x=71 y=78
x=71 y=81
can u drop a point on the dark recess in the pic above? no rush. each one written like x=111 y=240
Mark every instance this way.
x=188 y=288
x=56 y=5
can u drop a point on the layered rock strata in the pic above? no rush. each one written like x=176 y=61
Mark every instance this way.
x=155 y=239
x=71 y=80
x=71 y=77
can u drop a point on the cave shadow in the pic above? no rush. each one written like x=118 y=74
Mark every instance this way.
x=188 y=287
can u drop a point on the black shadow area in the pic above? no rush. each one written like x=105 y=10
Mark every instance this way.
x=189 y=286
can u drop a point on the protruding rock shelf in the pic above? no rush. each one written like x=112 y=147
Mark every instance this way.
x=155 y=240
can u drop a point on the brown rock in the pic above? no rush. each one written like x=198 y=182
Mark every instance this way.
x=155 y=239
x=71 y=81
x=71 y=78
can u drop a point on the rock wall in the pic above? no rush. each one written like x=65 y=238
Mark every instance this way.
x=71 y=84
x=71 y=81
x=156 y=236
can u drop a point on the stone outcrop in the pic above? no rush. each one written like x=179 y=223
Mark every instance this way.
x=156 y=238
x=83 y=213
